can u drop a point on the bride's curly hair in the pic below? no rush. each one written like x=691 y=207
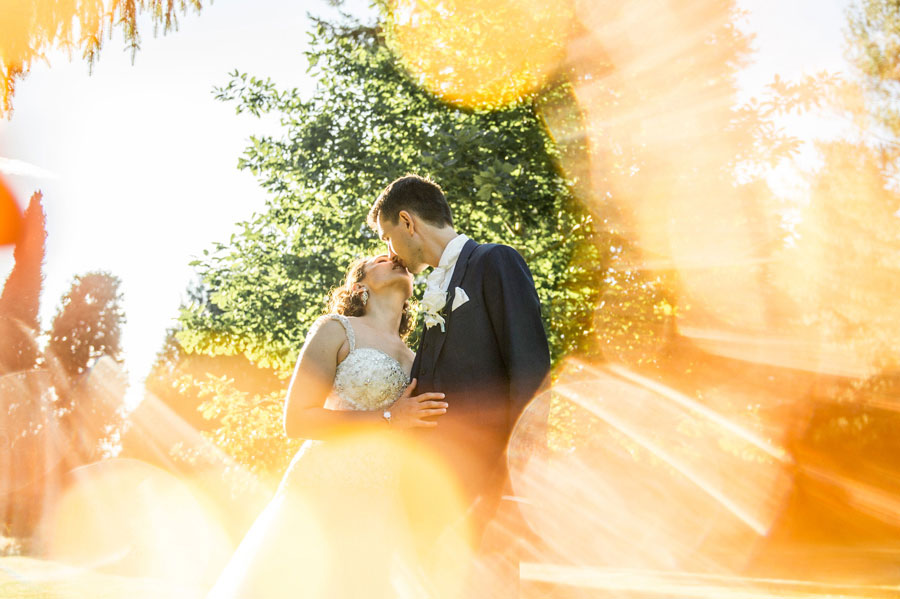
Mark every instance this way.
x=344 y=301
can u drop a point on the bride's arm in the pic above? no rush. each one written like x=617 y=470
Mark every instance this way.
x=306 y=417
x=312 y=380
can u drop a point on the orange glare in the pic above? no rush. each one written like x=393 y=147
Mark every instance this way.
x=10 y=216
x=479 y=54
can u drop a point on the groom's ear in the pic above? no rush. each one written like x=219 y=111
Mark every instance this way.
x=405 y=220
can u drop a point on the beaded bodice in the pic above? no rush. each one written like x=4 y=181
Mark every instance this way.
x=368 y=378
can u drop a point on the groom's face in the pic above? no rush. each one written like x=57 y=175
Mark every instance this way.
x=403 y=244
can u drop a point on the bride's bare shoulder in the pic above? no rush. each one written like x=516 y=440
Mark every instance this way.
x=326 y=332
x=327 y=326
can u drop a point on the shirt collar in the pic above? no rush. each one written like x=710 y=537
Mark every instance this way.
x=452 y=250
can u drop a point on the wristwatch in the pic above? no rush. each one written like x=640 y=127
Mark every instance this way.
x=387 y=416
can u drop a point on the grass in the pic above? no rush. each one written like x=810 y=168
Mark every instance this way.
x=29 y=578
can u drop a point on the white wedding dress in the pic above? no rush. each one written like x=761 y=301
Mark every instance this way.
x=331 y=528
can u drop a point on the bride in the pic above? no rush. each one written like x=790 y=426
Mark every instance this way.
x=334 y=527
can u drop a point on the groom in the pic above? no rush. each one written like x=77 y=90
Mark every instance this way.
x=484 y=344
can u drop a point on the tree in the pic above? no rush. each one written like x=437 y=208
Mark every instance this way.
x=841 y=271
x=29 y=29
x=87 y=326
x=874 y=39
x=839 y=267
x=88 y=323
x=55 y=415
x=175 y=373
x=366 y=124
x=847 y=258
x=20 y=300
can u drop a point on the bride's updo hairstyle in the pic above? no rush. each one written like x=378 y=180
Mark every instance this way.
x=344 y=301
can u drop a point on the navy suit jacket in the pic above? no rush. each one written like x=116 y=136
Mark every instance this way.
x=490 y=361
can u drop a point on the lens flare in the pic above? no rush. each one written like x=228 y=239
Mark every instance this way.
x=730 y=444
x=10 y=216
x=413 y=515
x=664 y=481
x=666 y=154
x=359 y=516
x=669 y=584
x=741 y=421
x=125 y=517
x=652 y=89
x=158 y=436
x=479 y=54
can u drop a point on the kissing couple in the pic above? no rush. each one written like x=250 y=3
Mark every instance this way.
x=357 y=519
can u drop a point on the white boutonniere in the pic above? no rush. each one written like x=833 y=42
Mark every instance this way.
x=432 y=303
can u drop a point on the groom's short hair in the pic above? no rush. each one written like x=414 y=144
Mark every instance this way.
x=415 y=194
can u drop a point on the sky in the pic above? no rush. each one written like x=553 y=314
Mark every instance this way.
x=794 y=38
x=138 y=162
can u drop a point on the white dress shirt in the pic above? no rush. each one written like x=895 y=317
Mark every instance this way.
x=447 y=263
x=438 y=281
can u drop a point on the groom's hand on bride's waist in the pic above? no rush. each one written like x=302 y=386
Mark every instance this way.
x=411 y=411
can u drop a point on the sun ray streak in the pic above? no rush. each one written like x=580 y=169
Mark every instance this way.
x=702 y=482
x=683 y=400
x=685 y=584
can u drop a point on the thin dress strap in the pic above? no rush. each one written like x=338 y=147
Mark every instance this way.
x=351 y=336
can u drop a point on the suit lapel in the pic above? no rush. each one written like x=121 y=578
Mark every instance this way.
x=417 y=361
x=458 y=271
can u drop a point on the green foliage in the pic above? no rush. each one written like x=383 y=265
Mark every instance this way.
x=874 y=38
x=365 y=124
x=634 y=313
x=173 y=378
x=248 y=423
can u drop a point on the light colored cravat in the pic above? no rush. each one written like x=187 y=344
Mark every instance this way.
x=437 y=282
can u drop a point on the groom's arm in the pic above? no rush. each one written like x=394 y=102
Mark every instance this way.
x=514 y=310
